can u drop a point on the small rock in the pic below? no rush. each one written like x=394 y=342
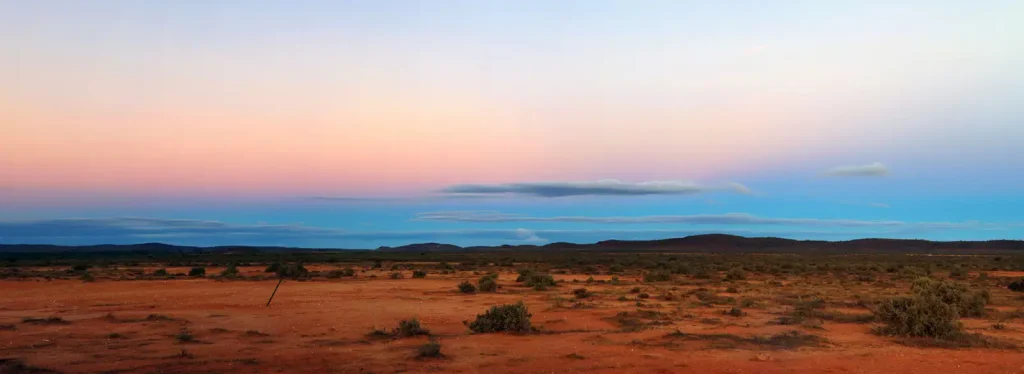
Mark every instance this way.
x=762 y=357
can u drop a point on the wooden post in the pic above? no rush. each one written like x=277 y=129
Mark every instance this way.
x=275 y=291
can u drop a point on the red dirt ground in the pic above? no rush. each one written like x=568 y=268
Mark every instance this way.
x=321 y=326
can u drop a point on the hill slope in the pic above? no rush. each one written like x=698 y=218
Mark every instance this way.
x=698 y=243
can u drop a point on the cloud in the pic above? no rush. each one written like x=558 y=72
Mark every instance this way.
x=879 y=205
x=378 y=199
x=141 y=227
x=529 y=236
x=128 y=230
x=700 y=219
x=608 y=187
x=359 y=199
x=876 y=169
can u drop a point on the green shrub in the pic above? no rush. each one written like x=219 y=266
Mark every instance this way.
x=968 y=303
x=658 y=276
x=430 y=349
x=185 y=337
x=811 y=308
x=292 y=271
x=488 y=284
x=86 y=277
x=378 y=334
x=539 y=281
x=933 y=311
x=918 y=316
x=273 y=268
x=1017 y=285
x=466 y=287
x=161 y=272
x=396 y=275
x=230 y=271
x=735 y=312
x=407 y=328
x=509 y=318
x=736 y=274
x=704 y=273
x=45 y=321
x=419 y=274
x=197 y=272
x=582 y=293
x=523 y=274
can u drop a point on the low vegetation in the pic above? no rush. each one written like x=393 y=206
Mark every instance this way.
x=538 y=281
x=431 y=349
x=45 y=321
x=407 y=328
x=230 y=271
x=912 y=300
x=185 y=337
x=582 y=293
x=1017 y=285
x=488 y=283
x=503 y=318
x=466 y=287
x=933 y=310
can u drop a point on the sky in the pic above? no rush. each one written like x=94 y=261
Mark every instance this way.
x=358 y=124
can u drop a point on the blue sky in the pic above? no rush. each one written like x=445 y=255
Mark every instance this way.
x=361 y=124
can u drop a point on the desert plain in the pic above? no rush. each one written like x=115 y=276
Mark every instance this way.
x=602 y=313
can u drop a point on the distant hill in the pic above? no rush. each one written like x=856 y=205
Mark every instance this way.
x=712 y=243
x=424 y=247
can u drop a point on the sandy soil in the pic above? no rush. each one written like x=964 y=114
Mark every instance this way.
x=321 y=326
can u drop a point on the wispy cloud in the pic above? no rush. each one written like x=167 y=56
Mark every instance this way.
x=412 y=199
x=360 y=199
x=123 y=230
x=141 y=227
x=701 y=219
x=875 y=169
x=608 y=187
